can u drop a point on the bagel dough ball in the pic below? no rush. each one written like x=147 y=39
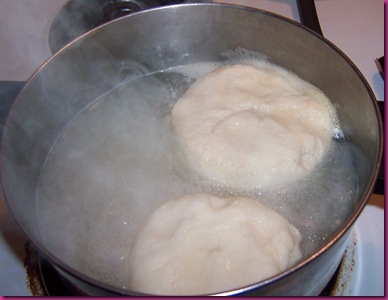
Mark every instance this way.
x=249 y=127
x=201 y=244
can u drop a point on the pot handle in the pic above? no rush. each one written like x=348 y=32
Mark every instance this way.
x=308 y=15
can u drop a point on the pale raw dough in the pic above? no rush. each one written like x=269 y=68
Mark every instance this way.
x=201 y=244
x=248 y=127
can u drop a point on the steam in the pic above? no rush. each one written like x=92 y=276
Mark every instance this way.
x=112 y=166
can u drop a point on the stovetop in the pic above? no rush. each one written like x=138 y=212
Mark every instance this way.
x=350 y=24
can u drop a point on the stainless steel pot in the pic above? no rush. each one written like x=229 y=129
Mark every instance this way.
x=167 y=37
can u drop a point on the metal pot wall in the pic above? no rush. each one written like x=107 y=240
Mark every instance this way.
x=167 y=37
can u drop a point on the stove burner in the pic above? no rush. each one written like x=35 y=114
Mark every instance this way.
x=79 y=16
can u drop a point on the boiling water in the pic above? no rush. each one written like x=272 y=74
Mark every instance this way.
x=117 y=161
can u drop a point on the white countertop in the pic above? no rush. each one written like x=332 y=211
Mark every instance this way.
x=355 y=26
